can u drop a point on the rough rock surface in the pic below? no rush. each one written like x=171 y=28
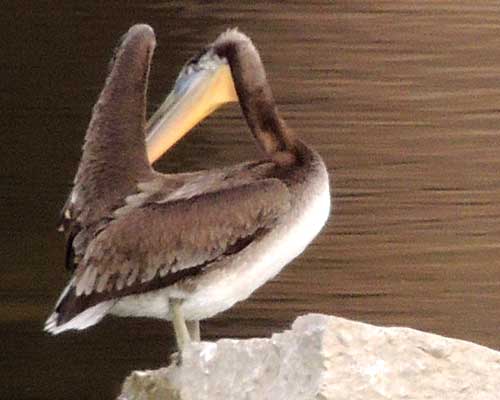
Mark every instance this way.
x=325 y=357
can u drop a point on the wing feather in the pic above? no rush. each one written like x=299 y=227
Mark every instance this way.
x=160 y=244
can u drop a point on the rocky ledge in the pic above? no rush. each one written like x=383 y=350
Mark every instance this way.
x=325 y=357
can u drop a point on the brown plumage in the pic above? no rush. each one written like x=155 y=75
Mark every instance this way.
x=138 y=239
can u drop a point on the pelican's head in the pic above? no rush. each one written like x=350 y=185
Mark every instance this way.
x=204 y=84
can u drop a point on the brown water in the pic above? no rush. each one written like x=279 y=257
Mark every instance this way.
x=401 y=99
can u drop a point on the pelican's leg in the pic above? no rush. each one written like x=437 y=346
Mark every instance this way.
x=181 y=331
x=194 y=330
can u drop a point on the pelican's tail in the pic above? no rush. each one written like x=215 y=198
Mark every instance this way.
x=65 y=318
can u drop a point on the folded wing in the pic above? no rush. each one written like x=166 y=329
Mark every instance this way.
x=162 y=243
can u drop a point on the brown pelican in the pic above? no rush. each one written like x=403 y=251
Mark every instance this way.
x=183 y=247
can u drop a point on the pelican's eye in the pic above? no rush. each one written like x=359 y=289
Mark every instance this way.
x=192 y=65
x=196 y=58
x=205 y=59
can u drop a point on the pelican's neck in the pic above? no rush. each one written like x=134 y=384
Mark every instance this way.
x=255 y=96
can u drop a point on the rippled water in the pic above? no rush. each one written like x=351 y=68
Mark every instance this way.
x=401 y=99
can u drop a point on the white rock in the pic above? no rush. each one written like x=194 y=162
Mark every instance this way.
x=325 y=357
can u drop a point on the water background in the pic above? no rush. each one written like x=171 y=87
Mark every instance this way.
x=402 y=100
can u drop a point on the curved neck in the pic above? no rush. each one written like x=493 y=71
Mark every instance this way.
x=255 y=95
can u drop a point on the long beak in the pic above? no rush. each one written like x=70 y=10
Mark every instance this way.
x=194 y=96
